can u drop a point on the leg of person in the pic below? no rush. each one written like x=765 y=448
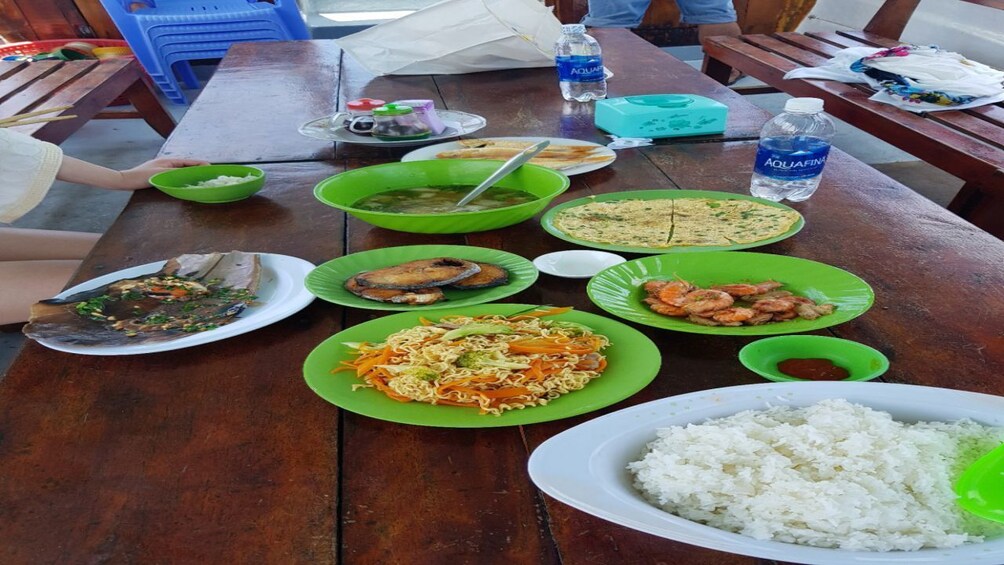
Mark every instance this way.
x=712 y=17
x=615 y=13
x=20 y=244
x=26 y=282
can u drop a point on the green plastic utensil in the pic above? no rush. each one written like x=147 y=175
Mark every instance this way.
x=981 y=486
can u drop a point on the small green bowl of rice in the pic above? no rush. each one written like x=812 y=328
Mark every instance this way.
x=210 y=184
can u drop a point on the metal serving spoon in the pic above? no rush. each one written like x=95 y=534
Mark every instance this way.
x=981 y=486
x=509 y=166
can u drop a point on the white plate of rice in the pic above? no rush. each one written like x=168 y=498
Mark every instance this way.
x=692 y=464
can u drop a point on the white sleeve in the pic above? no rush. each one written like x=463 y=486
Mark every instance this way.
x=28 y=167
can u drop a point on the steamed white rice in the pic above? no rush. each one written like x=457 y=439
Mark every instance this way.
x=835 y=474
x=222 y=180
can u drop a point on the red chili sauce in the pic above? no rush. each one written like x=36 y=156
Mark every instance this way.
x=813 y=369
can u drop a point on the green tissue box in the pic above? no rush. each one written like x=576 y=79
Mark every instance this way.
x=661 y=115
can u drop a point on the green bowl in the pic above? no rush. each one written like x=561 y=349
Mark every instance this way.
x=762 y=356
x=342 y=191
x=177 y=183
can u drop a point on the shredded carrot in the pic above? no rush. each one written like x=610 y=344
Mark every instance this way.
x=379 y=378
x=455 y=402
x=535 y=372
x=425 y=321
x=364 y=366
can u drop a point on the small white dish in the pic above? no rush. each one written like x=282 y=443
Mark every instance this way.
x=576 y=264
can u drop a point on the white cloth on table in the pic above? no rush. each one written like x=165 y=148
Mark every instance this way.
x=926 y=72
x=28 y=168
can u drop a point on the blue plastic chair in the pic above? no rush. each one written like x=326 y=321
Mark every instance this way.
x=167 y=34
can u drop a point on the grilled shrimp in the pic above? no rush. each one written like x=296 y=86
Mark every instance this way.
x=738 y=290
x=701 y=320
x=735 y=315
x=767 y=295
x=673 y=292
x=760 y=318
x=774 y=305
x=706 y=300
x=767 y=286
x=660 y=307
x=813 y=311
x=653 y=287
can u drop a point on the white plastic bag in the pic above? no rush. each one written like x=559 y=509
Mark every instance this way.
x=459 y=36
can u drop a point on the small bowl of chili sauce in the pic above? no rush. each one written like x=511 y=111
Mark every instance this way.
x=813 y=358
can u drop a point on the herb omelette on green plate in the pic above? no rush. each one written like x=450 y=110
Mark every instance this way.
x=672 y=222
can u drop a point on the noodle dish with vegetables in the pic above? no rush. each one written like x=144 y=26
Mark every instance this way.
x=493 y=362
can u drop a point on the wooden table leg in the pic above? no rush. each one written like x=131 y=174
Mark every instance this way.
x=149 y=106
x=716 y=70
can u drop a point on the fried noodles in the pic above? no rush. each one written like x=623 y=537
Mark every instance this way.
x=495 y=363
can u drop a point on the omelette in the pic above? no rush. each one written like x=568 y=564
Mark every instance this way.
x=664 y=223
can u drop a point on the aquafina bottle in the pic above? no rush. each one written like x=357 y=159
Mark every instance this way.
x=792 y=151
x=580 y=65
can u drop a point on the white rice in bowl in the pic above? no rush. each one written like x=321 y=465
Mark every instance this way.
x=835 y=474
x=222 y=180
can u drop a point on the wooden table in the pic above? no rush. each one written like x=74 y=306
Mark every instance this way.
x=221 y=454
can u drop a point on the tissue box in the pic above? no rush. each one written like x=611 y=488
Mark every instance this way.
x=661 y=115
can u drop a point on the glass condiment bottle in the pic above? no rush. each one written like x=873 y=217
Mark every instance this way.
x=360 y=118
x=397 y=122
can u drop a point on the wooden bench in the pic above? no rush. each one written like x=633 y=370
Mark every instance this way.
x=968 y=144
x=87 y=86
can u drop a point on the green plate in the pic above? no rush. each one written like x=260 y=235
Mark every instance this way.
x=618 y=289
x=632 y=362
x=327 y=280
x=547 y=221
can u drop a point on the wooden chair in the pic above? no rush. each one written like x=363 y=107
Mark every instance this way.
x=88 y=87
x=968 y=144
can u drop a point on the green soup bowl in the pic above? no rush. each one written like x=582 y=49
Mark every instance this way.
x=344 y=190
x=862 y=362
x=182 y=183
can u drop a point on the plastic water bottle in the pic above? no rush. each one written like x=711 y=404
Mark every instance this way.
x=580 y=65
x=792 y=151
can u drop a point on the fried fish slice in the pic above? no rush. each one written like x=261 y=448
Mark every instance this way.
x=490 y=275
x=419 y=274
x=417 y=296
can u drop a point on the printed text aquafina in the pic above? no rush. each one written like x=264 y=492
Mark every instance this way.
x=792 y=151
x=580 y=65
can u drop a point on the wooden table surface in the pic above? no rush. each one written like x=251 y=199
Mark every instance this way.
x=221 y=454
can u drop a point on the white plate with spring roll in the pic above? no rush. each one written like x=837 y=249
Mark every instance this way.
x=570 y=156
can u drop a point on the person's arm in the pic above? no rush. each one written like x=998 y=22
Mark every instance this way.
x=82 y=172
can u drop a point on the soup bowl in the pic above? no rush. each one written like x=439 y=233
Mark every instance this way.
x=345 y=190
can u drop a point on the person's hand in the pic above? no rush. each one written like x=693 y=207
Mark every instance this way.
x=139 y=176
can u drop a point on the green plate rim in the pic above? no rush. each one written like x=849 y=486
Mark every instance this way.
x=640 y=314
x=634 y=361
x=547 y=220
x=522 y=274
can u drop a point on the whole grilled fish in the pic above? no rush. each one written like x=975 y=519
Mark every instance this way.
x=190 y=294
